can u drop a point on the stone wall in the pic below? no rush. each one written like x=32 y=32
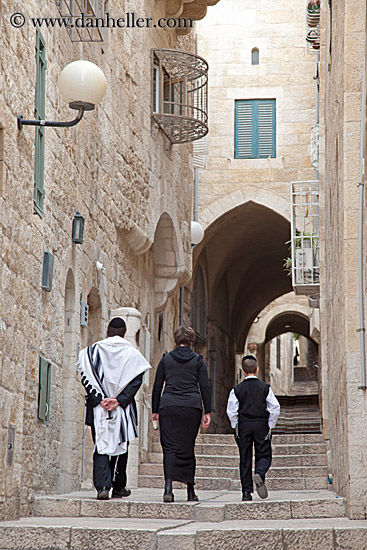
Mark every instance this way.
x=285 y=73
x=341 y=77
x=115 y=167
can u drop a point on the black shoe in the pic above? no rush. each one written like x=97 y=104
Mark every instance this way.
x=191 y=495
x=260 y=486
x=124 y=492
x=103 y=494
x=168 y=495
x=246 y=496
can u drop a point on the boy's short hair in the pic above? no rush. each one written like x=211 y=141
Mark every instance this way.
x=249 y=364
x=184 y=336
x=116 y=327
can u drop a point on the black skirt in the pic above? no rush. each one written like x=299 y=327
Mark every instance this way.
x=179 y=427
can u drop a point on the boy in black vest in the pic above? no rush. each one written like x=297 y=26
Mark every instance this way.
x=253 y=411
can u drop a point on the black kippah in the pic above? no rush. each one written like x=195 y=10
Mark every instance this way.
x=249 y=357
x=117 y=322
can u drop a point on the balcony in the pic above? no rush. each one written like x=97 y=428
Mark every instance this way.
x=305 y=237
x=180 y=94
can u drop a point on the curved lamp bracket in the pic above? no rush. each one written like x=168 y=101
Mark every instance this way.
x=79 y=105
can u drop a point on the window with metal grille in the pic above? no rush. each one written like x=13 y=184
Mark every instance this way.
x=255 y=128
x=39 y=114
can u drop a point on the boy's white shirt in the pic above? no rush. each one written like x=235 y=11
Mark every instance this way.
x=272 y=406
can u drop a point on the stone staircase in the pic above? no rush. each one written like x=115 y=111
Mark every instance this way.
x=299 y=463
x=304 y=520
x=298 y=414
x=299 y=514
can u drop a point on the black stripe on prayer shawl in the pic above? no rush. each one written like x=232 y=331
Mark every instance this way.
x=96 y=364
x=134 y=420
x=123 y=437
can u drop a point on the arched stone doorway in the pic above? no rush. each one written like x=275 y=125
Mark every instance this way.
x=72 y=402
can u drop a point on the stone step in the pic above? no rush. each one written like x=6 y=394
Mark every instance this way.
x=233 y=461
x=231 y=450
x=216 y=483
x=293 y=439
x=214 y=506
x=151 y=534
x=234 y=473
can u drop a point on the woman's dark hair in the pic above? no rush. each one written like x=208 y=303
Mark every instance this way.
x=184 y=336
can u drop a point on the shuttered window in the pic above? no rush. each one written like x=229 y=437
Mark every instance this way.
x=255 y=128
x=44 y=390
x=39 y=113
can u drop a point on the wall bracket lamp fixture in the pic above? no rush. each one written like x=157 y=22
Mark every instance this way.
x=82 y=84
x=77 y=228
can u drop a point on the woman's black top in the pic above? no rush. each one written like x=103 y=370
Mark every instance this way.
x=183 y=371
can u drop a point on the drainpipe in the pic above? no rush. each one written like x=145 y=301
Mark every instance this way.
x=361 y=329
x=196 y=201
x=317 y=109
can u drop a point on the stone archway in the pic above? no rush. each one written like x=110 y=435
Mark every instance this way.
x=242 y=258
x=72 y=403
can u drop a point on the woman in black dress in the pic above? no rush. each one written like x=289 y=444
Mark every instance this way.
x=179 y=410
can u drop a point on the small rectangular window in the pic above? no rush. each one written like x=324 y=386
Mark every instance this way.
x=44 y=389
x=255 y=129
x=39 y=113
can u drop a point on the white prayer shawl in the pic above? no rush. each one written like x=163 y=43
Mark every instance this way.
x=106 y=368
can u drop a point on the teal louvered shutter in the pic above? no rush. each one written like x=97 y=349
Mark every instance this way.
x=255 y=128
x=39 y=112
x=266 y=128
x=44 y=389
x=243 y=129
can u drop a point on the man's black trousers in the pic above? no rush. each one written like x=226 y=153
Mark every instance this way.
x=109 y=471
x=253 y=434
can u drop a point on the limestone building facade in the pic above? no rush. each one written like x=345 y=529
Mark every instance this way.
x=133 y=188
x=342 y=227
x=261 y=81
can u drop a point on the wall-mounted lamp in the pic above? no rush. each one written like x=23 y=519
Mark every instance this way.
x=100 y=267
x=78 y=228
x=82 y=84
x=197 y=232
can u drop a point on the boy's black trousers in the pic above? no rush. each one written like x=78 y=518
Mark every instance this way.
x=253 y=433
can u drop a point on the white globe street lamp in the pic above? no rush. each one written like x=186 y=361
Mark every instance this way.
x=197 y=232
x=82 y=85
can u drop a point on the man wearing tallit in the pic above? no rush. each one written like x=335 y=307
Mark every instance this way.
x=112 y=372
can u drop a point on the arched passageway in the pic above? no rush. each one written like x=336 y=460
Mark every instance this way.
x=241 y=258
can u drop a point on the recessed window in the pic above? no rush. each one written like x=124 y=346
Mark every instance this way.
x=278 y=352
x=255 y=59
x=255 y=129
